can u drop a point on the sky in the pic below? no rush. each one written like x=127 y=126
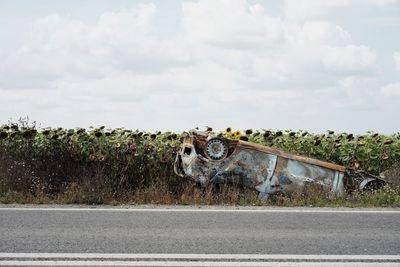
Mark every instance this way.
x=175 y=65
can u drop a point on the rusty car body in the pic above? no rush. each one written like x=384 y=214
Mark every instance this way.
x=206 y=159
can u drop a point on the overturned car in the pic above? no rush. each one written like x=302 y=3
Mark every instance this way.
x=208 y=159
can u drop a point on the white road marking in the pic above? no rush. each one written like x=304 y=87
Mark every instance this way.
x=229 y=210
x=199 y=256
x=198 y=263
x=111 y=259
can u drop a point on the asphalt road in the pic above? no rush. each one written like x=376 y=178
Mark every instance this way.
x=273 y=231
x=200 y=231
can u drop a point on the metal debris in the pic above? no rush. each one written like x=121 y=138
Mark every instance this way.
x=207 y=159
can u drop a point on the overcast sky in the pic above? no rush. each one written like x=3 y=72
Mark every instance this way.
x=174 y=65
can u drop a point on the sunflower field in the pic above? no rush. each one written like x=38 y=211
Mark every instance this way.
x=99 y=163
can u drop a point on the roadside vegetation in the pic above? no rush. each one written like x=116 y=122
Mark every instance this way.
x=115 y=166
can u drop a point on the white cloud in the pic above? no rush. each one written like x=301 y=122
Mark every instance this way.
x=228 y=62
x=349 y=58
x=392 y=89
x=396 y=57
x=230 y=24
x=323 y=32
x=236 y=35
x=316 y=8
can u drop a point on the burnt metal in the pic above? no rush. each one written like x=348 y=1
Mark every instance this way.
x=208 y=159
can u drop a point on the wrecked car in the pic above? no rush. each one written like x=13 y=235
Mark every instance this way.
x=208 y=159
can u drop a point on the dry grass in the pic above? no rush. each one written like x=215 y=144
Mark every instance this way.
x=187 y=194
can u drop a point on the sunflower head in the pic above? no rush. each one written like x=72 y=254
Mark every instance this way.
x=385 y=155
x=388 y=142
x=267 y=134
x=28 y=133
x=350 y=137
x=3 y=135
x=238 y=134
x=244 y=138
x=249 y=131
x=228 y=130
x=117 y=145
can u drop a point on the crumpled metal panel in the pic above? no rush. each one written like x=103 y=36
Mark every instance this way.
x=265 y=169
x=292 y=175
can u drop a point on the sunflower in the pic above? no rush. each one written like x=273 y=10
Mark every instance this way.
x=388 y=142
x=237 y=134
x=3 y=135
x=98 y=134
x=385 y=155
x=28 y=133
x=117 y=145
x=350 y=137
x=267 y=134
x=229 y=133
x=249 y=131
x=244 y=138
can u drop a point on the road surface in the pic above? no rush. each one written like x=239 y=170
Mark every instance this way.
x=57 y=235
